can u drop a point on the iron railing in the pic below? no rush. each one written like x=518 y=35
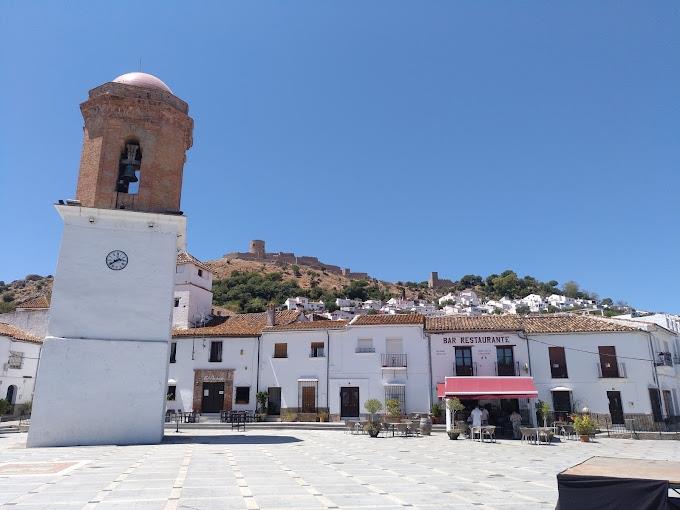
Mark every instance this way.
x=393 y=360
x=465 y=370
x=504 y=368
x=611 y=369
x=663 y=359
x=364 y=349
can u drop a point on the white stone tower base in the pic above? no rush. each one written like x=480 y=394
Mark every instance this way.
x=103 y=371
x=99 y=392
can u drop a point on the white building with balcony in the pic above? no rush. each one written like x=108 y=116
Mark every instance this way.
x=570 y=362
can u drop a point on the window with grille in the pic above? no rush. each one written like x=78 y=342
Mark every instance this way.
x=396 y=392
x=172 y=392
x=280 y=350
x=216 y=351
x=16 y=359
x=242 y=394
x=176 y=302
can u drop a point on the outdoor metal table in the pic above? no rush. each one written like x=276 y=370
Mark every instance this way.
x=606 y=482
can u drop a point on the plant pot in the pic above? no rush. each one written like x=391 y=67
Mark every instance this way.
x=453 y=435
x=373 y=432
x=585 y=438
x=426 y=426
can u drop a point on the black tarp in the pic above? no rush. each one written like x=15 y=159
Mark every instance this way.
x=580 y=492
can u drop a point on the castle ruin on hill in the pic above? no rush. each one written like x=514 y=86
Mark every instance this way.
x=257 y=252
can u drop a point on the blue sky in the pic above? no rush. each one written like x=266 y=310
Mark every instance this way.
x=395 y=138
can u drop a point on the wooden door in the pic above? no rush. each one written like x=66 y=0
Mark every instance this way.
x=274 y=400
x=615 y=407
x=308 y=399
x=213 y=397
x=349 y=402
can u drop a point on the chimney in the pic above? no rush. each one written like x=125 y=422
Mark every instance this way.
x=271 y=315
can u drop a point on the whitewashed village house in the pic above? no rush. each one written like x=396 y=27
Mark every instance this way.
x=19 y=354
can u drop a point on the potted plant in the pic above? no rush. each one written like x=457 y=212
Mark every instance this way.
x=261 y=398
x=372 y=405
x=393 y=408
x=543 y=409
x=454 y=405
x=323 y=416
x=436 y=411
x=584 y=426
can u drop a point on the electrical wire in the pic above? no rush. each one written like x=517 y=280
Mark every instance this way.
x=591 y=352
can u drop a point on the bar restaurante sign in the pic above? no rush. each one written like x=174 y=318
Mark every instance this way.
x=466 y=340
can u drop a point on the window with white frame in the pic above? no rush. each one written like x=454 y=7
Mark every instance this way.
x=365 y=345
x=16 y=359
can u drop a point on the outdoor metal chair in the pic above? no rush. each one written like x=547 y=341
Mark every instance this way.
x=528 y=434
x=545 y=435
x=402 y=429
x=490 y=432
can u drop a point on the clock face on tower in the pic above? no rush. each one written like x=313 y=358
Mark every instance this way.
x=117 y=260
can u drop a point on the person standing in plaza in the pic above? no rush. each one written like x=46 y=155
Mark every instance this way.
x=516 y=420
x=485 y=416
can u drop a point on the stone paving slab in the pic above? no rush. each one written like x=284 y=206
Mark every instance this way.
x=299 y=469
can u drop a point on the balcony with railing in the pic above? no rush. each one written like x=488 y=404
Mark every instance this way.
x=663 y=359
x=465 y=370
x=611 y=369
x=393 y=360
x=503 y=368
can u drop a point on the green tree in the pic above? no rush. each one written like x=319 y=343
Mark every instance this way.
x=571 y=289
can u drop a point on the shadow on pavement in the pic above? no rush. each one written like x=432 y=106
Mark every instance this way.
x=235 y=439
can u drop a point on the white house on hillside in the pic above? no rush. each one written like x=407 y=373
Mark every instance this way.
x=19 y=354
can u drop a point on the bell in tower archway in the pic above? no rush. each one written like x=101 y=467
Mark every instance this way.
x=130 y=163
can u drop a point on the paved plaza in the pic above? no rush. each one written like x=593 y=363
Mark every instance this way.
x=298 y=469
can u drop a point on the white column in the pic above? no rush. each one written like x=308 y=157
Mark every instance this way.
x=448 y=415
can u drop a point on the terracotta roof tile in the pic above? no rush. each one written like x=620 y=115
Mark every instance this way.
x=388 y=319
x=245 y=324
x=184 y=257
x=304 y=326
x=18 y=334
x=466 y=323
x=530 y=324
x=36 y=303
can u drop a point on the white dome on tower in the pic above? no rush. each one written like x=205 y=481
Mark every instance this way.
x=143 y=80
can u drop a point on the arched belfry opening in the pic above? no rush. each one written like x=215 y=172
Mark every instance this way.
x=129 y=168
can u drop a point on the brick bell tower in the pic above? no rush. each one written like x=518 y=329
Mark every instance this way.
x=102 y=377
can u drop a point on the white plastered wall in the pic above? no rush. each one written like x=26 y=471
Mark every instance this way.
x=103 y=371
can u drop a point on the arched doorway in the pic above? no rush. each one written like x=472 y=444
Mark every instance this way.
x=11 y=394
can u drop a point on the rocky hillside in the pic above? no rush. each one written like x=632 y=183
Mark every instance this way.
x=18 y=291
x=306 y=277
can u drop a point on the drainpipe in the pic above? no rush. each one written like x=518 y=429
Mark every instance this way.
x=655 y=373
x=429 y=368
x=526 y=339
x=328 y=361
x=257 y=371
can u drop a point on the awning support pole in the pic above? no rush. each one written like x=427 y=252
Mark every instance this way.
x=448 y=415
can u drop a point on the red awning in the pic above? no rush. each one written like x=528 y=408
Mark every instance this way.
x=487 y=387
